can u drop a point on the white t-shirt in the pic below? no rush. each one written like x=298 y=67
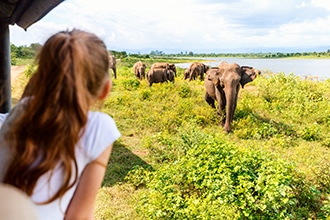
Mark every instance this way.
x=2 y=118
x=101 y=131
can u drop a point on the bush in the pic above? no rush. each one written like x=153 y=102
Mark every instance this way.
x=29 y=70
x=131 y=84
x=216 y=180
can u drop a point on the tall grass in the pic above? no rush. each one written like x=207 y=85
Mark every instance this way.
x=176 y=159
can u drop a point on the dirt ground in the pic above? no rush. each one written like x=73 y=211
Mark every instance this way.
x=15 y=71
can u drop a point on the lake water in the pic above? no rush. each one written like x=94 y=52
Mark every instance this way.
x=299 y=67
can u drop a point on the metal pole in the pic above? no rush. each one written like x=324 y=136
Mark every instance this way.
x=5 y=83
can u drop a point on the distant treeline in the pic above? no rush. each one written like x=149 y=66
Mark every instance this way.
x=29 y=52
x=241 y=55
x=245 y=55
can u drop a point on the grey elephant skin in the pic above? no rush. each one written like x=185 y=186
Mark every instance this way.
x=222 y=84
x=160 y=75
x=186 y=73
x=112 y=65
x=139 y=70
x=168 y=66
x=196 y=70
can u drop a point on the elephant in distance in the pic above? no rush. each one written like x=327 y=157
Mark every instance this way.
x=170 y=66
x=197 y=69
x=160 y=75
x=186 y=73
x=112 y=65
x=139 y=70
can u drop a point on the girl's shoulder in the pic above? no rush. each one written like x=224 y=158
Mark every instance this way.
x=96 y=119
x=101 y=131
x=3 y=117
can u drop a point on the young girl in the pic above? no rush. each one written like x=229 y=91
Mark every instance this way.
x=52 y=146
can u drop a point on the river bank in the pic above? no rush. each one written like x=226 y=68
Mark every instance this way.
x=306 y=68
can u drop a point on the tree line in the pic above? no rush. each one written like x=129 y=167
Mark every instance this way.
x=29 y=52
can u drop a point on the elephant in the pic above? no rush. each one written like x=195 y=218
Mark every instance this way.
x=139 y=70
x=186 y=73
x=170 y=66
x=160 y=75
x=197 y=69
x=112 y=65
x=173 y=68
x=222 y=84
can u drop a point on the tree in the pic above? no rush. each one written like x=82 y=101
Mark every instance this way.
x=35 y=47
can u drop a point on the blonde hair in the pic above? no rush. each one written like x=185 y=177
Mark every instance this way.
x=72 y=67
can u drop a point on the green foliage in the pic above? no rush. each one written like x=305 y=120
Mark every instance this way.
x=29 y=70
x=273 y=165
x=288 y=106
x=131 y=84
x=139 y=177
x=24 y=51
x=118 y=54
x=201 y=174
x=185 y=91
x=216 y=180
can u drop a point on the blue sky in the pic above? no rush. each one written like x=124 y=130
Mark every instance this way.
x=191 y=25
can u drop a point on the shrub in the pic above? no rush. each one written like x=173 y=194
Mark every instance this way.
x=29 y=70
x=185 y=91
x=131 y=84
x=214 y=179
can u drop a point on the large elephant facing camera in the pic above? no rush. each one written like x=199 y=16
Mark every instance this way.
x=223 y=84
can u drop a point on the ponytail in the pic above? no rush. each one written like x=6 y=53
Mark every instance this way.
x=72 y=66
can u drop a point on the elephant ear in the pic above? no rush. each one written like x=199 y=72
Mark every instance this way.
x=248 y=74
x=215 y=76
x=168 y=73
x=206 y=68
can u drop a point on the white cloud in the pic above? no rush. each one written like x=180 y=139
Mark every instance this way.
x=322 y=3
x=189 y=25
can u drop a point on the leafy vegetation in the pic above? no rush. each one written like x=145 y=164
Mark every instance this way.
x=216 y=180
x=21 y=54
x=175 y=162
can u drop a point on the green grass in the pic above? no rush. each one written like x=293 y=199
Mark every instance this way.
x=280 y=131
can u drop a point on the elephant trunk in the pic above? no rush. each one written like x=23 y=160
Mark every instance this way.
x=231 y=101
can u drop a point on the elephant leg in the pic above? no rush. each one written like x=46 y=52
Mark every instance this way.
x=222 y=116
x=221 y=99
x=209 y=100
x=192 y=75
x=114 y=73
x=164 y=78
x=202 y=76
x=235 y=102
x=185 y=75
x=149 y=79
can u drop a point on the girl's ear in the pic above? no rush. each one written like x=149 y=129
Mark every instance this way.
x=105 y=90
